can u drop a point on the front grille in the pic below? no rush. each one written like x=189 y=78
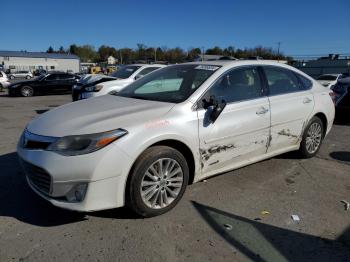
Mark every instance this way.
x=38 y=177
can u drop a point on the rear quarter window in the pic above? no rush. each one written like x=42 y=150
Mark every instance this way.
x=305 y=83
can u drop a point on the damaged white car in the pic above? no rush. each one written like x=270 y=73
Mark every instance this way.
x=180 y=124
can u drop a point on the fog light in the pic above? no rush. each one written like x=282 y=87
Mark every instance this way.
x=77 y=193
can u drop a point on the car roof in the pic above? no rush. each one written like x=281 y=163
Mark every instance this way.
x=148 y=65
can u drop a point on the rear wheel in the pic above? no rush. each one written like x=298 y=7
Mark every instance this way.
x=157 y=181
x=312 y=138
x=27 y=91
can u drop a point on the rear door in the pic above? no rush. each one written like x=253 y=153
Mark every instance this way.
x=65 y=82
x=291 y=106
x=241 y=131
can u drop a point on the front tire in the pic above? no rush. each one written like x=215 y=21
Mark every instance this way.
x=27 y=91
x=28 y=77
x=312 y=138
x=12 y=77
x=157 y=181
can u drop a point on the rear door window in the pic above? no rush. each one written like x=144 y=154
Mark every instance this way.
x=281 y=81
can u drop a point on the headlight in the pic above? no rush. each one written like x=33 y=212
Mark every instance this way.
x=95 y=88
x=85 y=144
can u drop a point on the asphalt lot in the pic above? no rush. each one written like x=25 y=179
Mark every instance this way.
x=217 y=220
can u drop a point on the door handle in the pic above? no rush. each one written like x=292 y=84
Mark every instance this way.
x=262 y=111
x=307 y=100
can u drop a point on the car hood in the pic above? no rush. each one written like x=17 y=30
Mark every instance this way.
x=24 y=82
x=118 y=82
x=95 y=115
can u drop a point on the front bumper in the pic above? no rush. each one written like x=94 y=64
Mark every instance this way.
x=104 y=172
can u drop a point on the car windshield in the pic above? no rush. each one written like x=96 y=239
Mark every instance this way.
x=327 y=77
x=125 y=72
x=173 y=84
x=40 y=77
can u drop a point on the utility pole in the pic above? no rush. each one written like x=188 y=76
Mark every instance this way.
x=121 y=58
x=278 y=50
x=155 y=54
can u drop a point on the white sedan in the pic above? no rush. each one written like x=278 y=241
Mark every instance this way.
x=178 y=125
x=329 y=80
x=4 y=81
x=124 y=76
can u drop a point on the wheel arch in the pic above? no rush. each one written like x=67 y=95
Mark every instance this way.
x=324 y=120
x=173 y=143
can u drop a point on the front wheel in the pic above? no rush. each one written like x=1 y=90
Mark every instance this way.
x=12 y=77
x=28 y=77
x=312 y=138
x=27 y=91
x=157 y=181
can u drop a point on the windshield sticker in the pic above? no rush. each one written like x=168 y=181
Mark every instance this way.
x=129 y=69
x=207 y=67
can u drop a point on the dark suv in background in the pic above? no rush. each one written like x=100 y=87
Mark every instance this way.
x=342 y=96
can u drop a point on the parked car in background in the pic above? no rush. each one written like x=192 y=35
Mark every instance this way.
x=180 y=124
x=87 y=81
x=329 y=80
x=21 y=74
x=123 y=77
x=342 y=96
x=4 y=81
x=44 y=84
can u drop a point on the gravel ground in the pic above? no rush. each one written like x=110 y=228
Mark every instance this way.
x=221 y=219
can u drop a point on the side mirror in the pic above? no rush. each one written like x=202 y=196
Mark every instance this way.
x=217 y=107
x=138 y=77
x=217 y=110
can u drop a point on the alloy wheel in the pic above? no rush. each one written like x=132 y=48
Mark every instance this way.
x=27 y=91
x=161 y=183
x=313 y=137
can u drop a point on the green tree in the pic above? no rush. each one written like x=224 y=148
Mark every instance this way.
x=214 y=51
x=61 y=50
x=105 y=51
x=50 y=50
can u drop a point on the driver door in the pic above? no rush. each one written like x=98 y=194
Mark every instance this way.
x=242 y=130
x=49 y=84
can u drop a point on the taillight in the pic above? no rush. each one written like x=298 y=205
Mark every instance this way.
x=333 y=96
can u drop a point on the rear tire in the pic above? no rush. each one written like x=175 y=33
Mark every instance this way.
x=157 y=181
x=312 y=138
x=27 y=91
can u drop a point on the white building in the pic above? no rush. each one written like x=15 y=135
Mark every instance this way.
x=18 y=61
x=111 y=60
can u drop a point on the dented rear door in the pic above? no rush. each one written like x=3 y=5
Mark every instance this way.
x=291 y=108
